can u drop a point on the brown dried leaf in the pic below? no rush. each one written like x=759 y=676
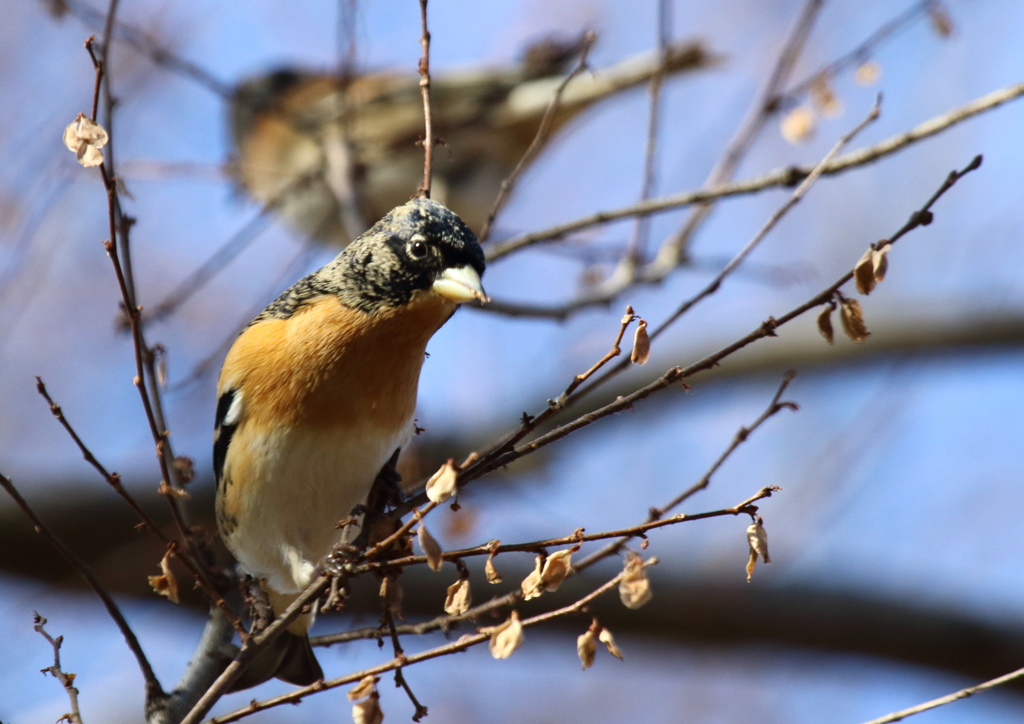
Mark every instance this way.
x=459 y=598
x=634 y=588
x=853 y=320
x=942 y=23
x=364 y=688
x=864 y=273
x=490 y=571
x=444 y=483
x=824 y=97
x=430 y=548
x=86 y=137
x=586 y=648
x=532 y=586
x=880 y=262
x=607 y=639
x=641 y=344
x=825 y=324
x=868 y=73
x=368 y=712
x=507 y=637
x=556 y=568
x=799 y=125
x=184 y=469
x=165 y=584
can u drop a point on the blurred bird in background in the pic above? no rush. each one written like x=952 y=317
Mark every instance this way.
x=329 y=153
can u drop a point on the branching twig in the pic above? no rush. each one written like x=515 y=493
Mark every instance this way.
x=503 y=453
x=949 y=698
x=541 y=137
x=428 y=134
x=67 y=680
x=637 y=252
x=153 y=688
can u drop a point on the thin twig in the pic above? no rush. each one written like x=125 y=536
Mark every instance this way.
x=389 y=621
x=786 y=176
x=460 y=645
x=949 y=698
x=153 y=688
x=428 y=127
x=637 y=252
x=67 y=680
x=541 y=137
x=113 y=479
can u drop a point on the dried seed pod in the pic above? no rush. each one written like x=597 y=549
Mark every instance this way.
x=532 y=585
x=507 y=637
x=880 y=262
x=757 y=539
x=867 y=73
x=459 y=598
x=444 y=483
x=368 y=712
x=586 y=648
x=556 y=568
x=853 y=320
x=165 y=584
x=391 y=595
x=798 y=126
x=490 y=571
x=607 y=639
x=86 y=137
x=430 y=547
x=824 y=97
x=364 y=688
x=864 y=272
x=825 y=323
x=641 y=344
x=634 y=588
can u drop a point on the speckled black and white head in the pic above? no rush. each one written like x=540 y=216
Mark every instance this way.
x=418 y=247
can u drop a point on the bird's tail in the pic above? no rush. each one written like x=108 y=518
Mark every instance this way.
x=289 y=657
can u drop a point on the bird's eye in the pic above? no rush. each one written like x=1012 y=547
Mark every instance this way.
x=418 y=249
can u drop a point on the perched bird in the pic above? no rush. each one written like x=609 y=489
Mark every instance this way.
x=326 y=152
x=318 y=393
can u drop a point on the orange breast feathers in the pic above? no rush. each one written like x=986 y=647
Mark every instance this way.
x=329 y=365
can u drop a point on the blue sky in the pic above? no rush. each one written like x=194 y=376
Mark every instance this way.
x=902 y=477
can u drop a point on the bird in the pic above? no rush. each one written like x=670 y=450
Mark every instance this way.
x=325 y=152
x=318 y=393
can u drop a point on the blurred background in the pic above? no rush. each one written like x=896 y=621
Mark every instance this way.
x=896 y=542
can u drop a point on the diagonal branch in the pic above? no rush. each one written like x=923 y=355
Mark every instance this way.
x=153 y=688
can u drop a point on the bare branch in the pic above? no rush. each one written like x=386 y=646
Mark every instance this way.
x=949 y=698
x=428 y=137
x=153 y=688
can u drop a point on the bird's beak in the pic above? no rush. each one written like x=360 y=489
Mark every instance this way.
x=461 y=284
